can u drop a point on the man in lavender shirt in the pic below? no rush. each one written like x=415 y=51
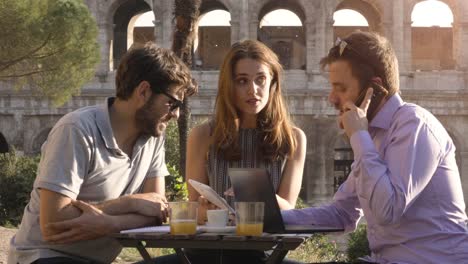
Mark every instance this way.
x=404 y=178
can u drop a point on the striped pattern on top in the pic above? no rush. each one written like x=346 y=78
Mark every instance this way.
x=217 y=167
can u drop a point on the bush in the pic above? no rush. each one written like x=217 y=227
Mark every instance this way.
x=17 y=176
x=358 y=245
x=300 y=204
x=318 y=248
x=176 y=188
x=172 y=145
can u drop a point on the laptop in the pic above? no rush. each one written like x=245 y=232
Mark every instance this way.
x=254 y=185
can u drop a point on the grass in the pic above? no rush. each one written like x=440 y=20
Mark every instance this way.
x=318 y=248
x=130 y=255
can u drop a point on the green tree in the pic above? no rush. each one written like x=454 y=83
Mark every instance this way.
x=48 y=46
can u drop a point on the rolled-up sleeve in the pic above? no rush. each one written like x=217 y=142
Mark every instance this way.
x=65 y=161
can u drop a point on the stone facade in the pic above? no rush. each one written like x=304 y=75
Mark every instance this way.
x=25 y=120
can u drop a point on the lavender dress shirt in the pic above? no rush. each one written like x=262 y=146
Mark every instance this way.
x=405 y=181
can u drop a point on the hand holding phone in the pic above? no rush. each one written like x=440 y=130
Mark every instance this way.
x=378 y=95
x=356 y=116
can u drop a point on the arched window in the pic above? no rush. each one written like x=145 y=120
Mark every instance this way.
x=347 y=21
x=39 y=140
x=140 y=29
x=213 y=41
x=123 y=19
x=4 y=148
x=283 y=32
x=432 y=36
x=343 y=158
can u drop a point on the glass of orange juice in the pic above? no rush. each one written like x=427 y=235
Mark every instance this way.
x=249 y=218
x=183 y=218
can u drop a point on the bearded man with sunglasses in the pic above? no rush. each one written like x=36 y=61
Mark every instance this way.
x=102 y=167
x=404 y=179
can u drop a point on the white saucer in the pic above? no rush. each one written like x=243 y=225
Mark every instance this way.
x=216 y=229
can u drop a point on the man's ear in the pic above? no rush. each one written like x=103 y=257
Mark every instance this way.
x=143 y=92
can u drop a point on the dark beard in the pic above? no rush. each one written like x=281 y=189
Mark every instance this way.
x=146 y=119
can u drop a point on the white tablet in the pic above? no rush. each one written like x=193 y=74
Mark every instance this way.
x=210 y=195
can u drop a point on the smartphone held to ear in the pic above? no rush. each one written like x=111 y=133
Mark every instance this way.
x=377 y=96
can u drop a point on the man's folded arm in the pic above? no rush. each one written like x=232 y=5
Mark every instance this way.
x=60 y=213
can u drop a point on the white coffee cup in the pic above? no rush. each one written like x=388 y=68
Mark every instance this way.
x=217 y=218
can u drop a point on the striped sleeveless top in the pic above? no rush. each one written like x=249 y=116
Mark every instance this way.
x=217 y=167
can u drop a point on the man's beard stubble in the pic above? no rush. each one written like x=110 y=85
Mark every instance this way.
x=148 y=118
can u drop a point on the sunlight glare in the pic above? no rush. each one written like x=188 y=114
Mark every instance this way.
x=349 y=18
x=281 y=17
x=431 y=13
x=145 y=20
x=215 y=18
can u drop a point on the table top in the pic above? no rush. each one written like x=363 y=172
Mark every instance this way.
x=213 y=240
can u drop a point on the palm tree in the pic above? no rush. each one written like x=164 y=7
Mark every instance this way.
x=186 y=13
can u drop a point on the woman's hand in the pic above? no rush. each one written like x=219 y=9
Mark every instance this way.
x=229 y=192
x=203 y=206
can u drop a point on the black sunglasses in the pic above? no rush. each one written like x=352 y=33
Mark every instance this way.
x=176 y=103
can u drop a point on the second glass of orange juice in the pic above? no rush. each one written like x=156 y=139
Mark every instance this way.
x=183 y=218
x=249 y=218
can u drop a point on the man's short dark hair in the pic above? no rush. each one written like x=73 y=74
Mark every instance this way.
x=370 y=55
x=158 y=66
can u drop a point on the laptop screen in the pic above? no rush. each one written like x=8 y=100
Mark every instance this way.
x=254 y=185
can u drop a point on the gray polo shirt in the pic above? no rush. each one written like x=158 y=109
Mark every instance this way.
x=82 y=160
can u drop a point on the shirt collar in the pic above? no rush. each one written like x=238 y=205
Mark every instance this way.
x=384 y=117
x=104 y=125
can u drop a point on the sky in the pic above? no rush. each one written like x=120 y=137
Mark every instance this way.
x=425 y=14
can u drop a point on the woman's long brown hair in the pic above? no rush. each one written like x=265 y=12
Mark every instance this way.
x=276 y=137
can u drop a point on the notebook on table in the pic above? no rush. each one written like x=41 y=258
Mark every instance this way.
x=254 y=185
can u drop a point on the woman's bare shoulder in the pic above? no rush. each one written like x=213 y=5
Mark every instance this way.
x=298 y=133
x=201 y=133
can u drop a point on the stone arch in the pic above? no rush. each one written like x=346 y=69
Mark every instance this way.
x=119 y=15
x=289 y=43
x=214 y=41
x=291 y=5
x=371 y=10
x=210 y=5
x=38 y=140
x=445 y=63
x=116 y=4
x=4 y=147
x=452 y=4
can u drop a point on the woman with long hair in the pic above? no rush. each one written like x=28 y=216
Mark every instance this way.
x=251 y=128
